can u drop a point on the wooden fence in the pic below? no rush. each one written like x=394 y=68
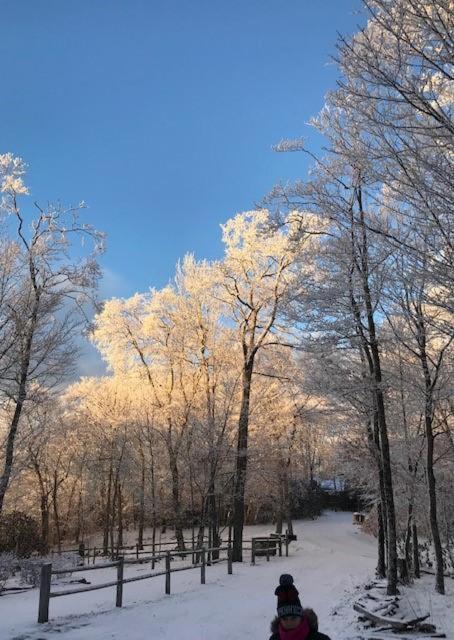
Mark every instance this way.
x=201 y=558
x=269 y=546
x=90 y=554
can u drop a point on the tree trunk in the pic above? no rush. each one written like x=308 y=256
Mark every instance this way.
x=241 y=463
x=177 y=517
x=381 y=561
x=21 y=395
x=431 y=483
x=120 y=520
x=213 y=516
x=408 y=558
x=387 y=476
x=153 y=491
x=79 y=533
x=10 y=440
x=279 y=516
x=112 y=518
x=379 y=405
x=107 y=514
x=141 y=499
x=56 y=512
x=416 y=568
x=287 y=505
x=430 y=442
x=374 y=443
x=45 y=524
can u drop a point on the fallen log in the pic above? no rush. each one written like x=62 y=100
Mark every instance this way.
x=395 y=623
x=432 y=572
x=385 y=609
x=12 y=592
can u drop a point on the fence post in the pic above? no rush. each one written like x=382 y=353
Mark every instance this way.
x=120 y=566
x=167 y=572
x=137 y=551
x=280 y=547
x=202 y=568
x=94 y=554
x=286 y=545
x=268 y=550
x=253 y=551
x=44 y=592
x=229 y=560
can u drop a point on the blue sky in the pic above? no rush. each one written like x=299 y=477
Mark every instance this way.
x=161 y=114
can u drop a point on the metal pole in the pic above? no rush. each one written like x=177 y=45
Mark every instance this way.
x=253 y=552
x=44 y=592
x=229 y=560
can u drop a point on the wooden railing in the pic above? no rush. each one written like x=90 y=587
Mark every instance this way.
x=45 y=593
x=89 y=554
x=201 y=558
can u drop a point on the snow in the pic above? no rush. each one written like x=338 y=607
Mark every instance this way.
x=329 y=562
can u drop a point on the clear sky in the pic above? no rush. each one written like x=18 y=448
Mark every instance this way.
x=161 y=114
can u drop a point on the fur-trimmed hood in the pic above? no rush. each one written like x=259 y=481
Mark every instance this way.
x=307 y=613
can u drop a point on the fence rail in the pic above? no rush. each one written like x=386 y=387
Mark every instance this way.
x=201 y=558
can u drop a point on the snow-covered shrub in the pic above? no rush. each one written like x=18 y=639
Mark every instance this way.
x=19 y=534
x=8 y=565
x=30 y=568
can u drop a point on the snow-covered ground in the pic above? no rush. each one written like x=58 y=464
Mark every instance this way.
x=329 y=560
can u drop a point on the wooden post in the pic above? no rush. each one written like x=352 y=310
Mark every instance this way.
x=120 y=566
x=202 y=568
x=253 y=551
x=168 y=572
x=44 y=592
x=280 y=547
x=286 y=545
x=137 y=551
x=268 y=550
x=229 y=560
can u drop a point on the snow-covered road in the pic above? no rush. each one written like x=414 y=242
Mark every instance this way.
x=329 y=559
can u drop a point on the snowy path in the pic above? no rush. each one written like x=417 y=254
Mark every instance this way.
x=330 y=558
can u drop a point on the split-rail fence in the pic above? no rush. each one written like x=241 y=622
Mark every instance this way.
x=201 y=558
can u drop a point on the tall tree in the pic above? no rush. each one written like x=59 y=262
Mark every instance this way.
x=260 y=273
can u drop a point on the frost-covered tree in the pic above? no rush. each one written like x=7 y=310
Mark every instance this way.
x=45 y=292
x=260 y=274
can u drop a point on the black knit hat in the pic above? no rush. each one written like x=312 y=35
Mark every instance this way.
x=288 y=603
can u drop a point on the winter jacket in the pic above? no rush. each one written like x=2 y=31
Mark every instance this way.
x=313 y=623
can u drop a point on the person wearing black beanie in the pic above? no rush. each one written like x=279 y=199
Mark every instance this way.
x=293 y=622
